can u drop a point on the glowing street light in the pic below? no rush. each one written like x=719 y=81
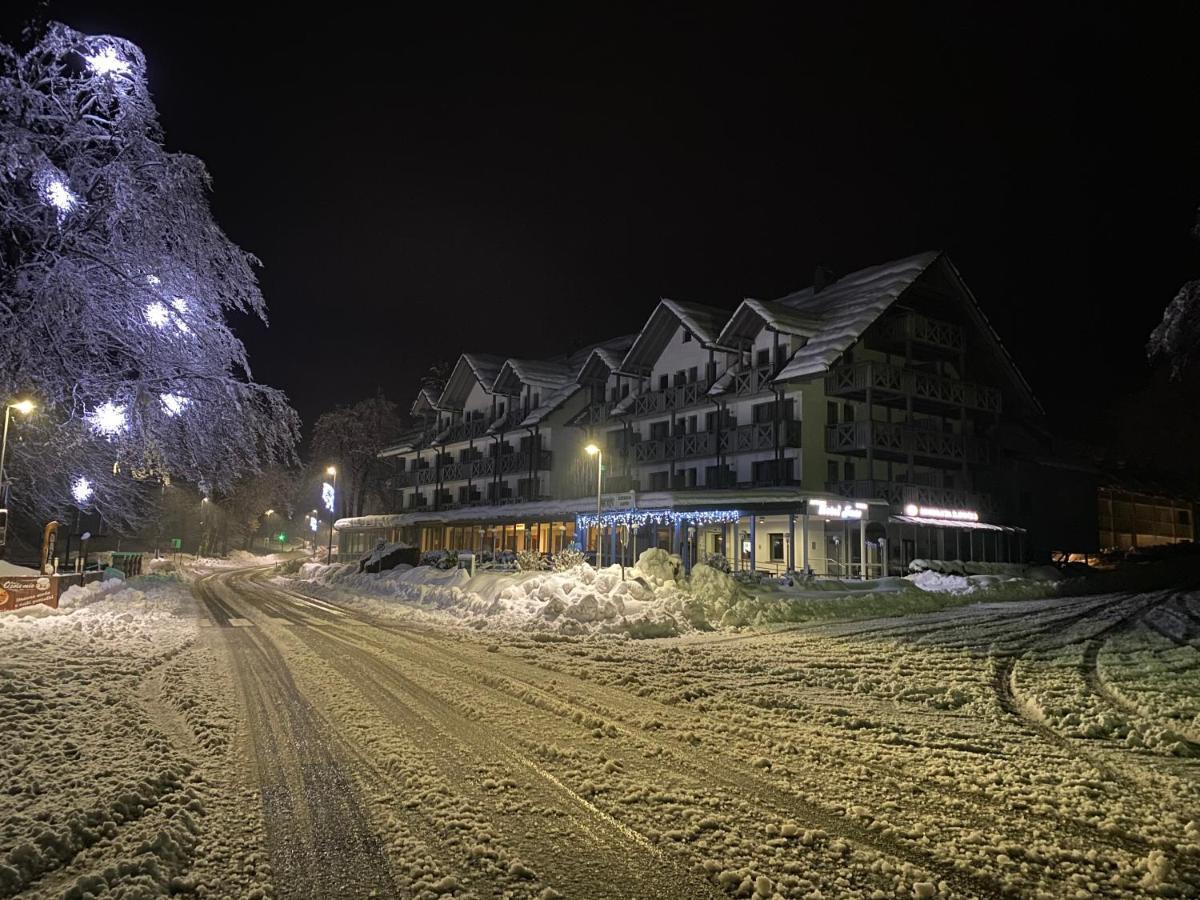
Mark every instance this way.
x=593 y=450
x=24 y=407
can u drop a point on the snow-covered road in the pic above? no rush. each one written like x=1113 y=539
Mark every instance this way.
x=1043 y=747
x=259 y=741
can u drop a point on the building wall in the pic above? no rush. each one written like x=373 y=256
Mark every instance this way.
x=1129 y=519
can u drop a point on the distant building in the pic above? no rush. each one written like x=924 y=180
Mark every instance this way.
x=1132 y=516
x=846 y=428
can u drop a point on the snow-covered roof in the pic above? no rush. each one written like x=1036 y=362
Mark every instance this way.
x=604 y=359
x=550 y=403
x=952 y=523
x=704 y=322
x=408 y=442
x=846 y=308
x=516 y=373
x=752 y=316
x=426 y=402
x=471 y=369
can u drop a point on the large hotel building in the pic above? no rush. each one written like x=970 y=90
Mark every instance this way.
x=844 y=429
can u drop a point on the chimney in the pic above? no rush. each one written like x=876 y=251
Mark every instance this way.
x=823 y=277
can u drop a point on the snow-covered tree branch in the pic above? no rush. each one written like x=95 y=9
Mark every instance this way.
x=115 y=284
x=1177 y=336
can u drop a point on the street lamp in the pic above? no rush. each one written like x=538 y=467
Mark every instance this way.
x=203 y=535
x=24 y=407
x=332 y=473
x=593 y=450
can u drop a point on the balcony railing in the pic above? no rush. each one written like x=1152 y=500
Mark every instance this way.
x=598 y=413
x=900 y=494
x=484 y=467
x=895 y=441
x=742 y=439
x=463 y=431
x=680 y=396
x=752 y=380
x=931 y=333
x=890 y=384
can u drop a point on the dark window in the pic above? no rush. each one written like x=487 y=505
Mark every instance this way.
x=763 y=412
x=770 y=471
x=718 y=476
x=687 y=335
x=849 y=467
x=680 y=378
x=1185 y=517
x=693 y=375
x=691 y=478
x=658 y=481
x=624 y=390
x=847 y=412
x=664 y=382
x=776 y=546
x=692 y=420
x=831 y=412
x=831 y=470
x=537 y=400
x=659 y=430
x=763 y=357
x=499 y=409
x=615 y=397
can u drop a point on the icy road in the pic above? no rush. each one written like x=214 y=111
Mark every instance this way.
x=252 y=740
x=1042 y=747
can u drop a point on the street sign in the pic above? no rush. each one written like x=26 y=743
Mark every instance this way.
x=176 y=543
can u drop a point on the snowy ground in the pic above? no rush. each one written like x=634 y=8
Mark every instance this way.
x=115 y=771
x=1043 y=748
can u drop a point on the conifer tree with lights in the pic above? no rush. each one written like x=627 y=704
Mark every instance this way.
x=115 y=287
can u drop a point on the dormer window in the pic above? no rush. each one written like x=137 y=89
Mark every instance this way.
x=687 y=335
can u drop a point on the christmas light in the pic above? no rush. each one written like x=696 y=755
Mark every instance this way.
x=81 y=490
x=157 y=314
x=107 y=62
x=153 y=280
x=180 y=305
x=636 y=518
x=327 y=495
x=312 y=523
x=52 y=187
x=173 y=404
x=108 y=419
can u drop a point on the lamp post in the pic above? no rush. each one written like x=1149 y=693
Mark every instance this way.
x=24 y=407
x=267 y=515
x=593 y=450
x=203 y=509
x=332 y=473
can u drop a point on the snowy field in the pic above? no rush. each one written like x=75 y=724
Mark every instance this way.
x=117 y=733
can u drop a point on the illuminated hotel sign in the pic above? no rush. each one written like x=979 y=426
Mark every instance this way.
x=841 y=510
x=935 y=512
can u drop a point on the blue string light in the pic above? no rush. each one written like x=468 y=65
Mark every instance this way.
x=636 y=518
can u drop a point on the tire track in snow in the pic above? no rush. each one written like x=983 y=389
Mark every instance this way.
x=744 y=783
x=462 y=745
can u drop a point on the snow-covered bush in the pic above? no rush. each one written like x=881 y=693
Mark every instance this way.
x=717 y=561
x=530 y=561
x=567 y=558
x=659 y=566
x=432 y=557
x=449 y=560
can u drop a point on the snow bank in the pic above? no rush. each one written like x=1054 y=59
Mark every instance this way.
x=655 y=598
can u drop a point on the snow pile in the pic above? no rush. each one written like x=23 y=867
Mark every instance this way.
x=10 y=570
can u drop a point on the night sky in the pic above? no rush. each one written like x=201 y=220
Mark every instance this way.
x=523 y=182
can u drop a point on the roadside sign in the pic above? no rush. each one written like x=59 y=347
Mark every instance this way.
x=176 y=543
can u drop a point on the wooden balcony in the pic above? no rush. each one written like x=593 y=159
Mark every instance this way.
x=899 y=494
x=894 y=441
x=743 y=439
x=597 y=413
x=463 y=431
x=485 y=467
x=891 y=386
x=942 y=338
x=752 y=380
x=681 y=396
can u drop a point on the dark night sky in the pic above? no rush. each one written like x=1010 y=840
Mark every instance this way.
x=521 y=181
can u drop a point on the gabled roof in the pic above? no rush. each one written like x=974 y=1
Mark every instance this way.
x=426 y=402
x=549 y=404
x=604 y=359
x=471 y=369
x=516 y=373
x=704 y=322
x=846 y=308
x=753 y=315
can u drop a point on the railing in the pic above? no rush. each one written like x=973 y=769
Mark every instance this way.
x=912 y=326
x=896 y=441
x=902 y=493
x=680 y=396
x=598 y=413
x=463 y=431
x=895 y=380
x=742 y=439
x=752 y=380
